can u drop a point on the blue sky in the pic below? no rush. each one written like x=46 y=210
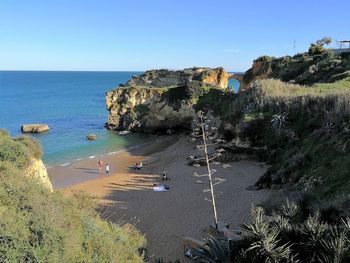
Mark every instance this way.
x=139 y=34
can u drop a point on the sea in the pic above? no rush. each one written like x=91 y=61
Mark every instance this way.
x=72 y=104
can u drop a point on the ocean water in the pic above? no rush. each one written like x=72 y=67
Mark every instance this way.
x=71 y=103
x=233 y=84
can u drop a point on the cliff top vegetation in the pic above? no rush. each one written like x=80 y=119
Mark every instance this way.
x=39 y=226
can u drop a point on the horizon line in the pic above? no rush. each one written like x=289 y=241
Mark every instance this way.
x=65 y=70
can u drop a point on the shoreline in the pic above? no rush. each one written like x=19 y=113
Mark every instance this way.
x=99 y=155
x=86 y=169
x=96 y=153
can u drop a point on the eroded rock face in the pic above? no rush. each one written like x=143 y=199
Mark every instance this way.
x=259 y=70
x=160 y=99
x=145 y=109
x=38 y=171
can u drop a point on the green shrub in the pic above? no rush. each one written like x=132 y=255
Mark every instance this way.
x=39 y=226
x=36 y=224
x=264 y=59
x=316 y=49
x=142 y=109
x=177 y=94
x=15 y=152
x=33 y=146
x=310 y=154
x=18 y=151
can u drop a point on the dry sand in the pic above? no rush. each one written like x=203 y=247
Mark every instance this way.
x=165 y=217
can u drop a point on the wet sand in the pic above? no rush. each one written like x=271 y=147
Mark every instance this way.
x=166 y=217
x=78 y=172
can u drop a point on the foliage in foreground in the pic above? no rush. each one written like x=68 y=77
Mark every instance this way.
x=18 y=151
x=286 y=236
x=39 y=226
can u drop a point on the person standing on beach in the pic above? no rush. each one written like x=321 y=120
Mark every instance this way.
x=107 y=169
x=100 y=163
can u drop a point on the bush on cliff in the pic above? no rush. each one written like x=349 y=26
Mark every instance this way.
x=318 y=66
x=14 y=151
x=318 y=47
x=312 y=152
x=33 y=146
x=264 y=59
x=39 y=226
x=18 y=150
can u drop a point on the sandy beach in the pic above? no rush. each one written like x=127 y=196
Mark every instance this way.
x=165 y=218
x=77 y=172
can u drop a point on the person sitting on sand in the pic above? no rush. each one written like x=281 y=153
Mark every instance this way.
x=107 y=169
x=160 y=187
x=138 y=166
x=165 y=176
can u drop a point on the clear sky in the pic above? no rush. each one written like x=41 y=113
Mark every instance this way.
x=145 y=34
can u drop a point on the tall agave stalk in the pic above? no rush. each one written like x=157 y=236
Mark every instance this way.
x=202 y=130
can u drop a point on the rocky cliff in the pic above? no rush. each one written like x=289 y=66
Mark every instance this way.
x=161 y=99
x=37 y=170
x=259 y=70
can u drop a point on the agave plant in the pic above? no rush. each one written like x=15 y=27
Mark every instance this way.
x=336 y=245
x=269 y=249
x=346 y=225
x=265 y=243
x=281 y=223
x=289 y=210
x=285 y=237
x=313 y=232
x=213 y=251
x=207 y=134
x=259 y=226
x=279 y=121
